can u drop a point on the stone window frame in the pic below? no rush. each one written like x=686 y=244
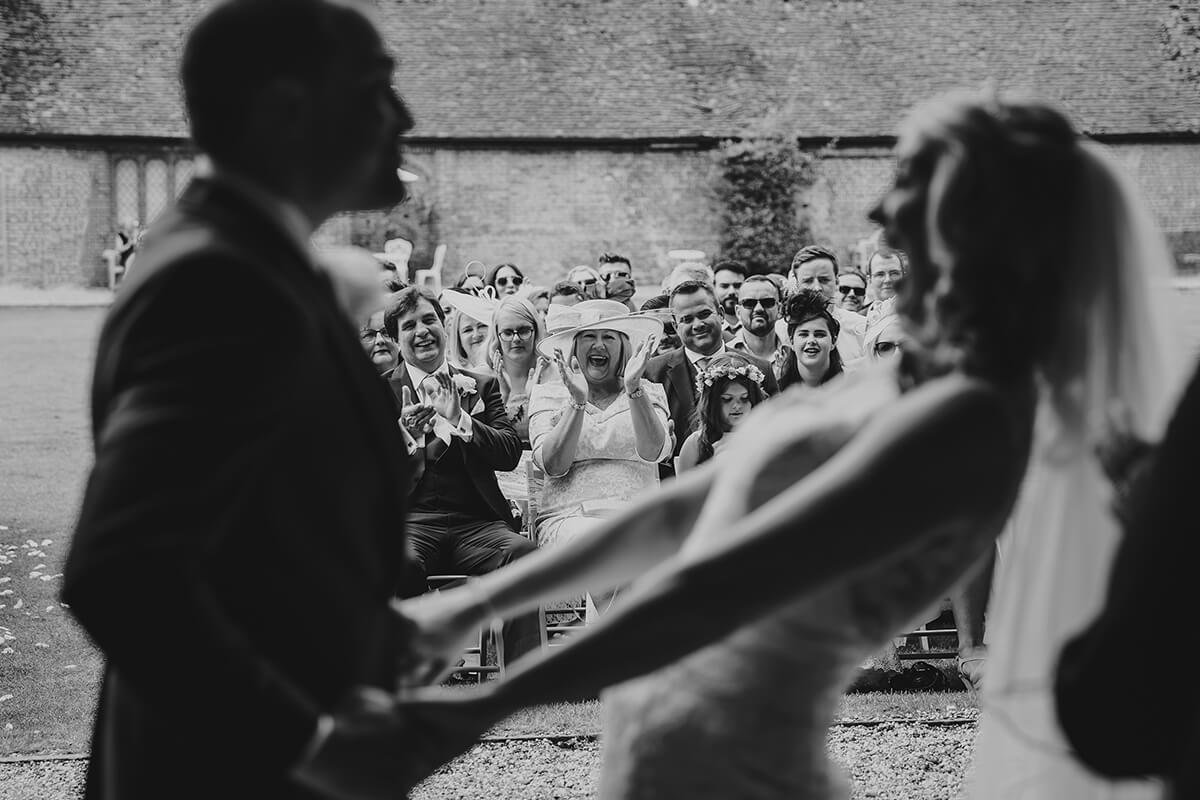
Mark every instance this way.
x=179 y=164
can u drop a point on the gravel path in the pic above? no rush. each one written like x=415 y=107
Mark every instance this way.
x=900 y=760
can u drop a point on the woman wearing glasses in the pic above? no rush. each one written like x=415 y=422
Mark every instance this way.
x=511 y=354
x=813 y=334
x=505 y=279
x=885 y=335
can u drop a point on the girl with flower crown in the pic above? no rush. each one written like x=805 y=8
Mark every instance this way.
x=729 y=387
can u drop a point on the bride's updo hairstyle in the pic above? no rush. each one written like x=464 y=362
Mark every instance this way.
x=1021 y=235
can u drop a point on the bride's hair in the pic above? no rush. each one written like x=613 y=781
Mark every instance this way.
x=1034 y=239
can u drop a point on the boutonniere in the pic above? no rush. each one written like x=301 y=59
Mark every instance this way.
x=464 y=383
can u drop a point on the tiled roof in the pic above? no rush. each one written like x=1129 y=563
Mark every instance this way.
x=636 y=69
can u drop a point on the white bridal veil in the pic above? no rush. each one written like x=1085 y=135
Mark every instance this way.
x=1056 y=552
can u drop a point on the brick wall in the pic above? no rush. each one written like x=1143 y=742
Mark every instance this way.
x=53 y=202
x=544 y=210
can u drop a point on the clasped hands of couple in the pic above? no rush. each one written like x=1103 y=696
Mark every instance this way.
x=378 y=745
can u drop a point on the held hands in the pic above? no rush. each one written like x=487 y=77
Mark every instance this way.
x=1123 y=457
x=636 y=366
x=437 y=627
x=382 y=747
x=572 y=377
x=440 y=392
x=417 y=418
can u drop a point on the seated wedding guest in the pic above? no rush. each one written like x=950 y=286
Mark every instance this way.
x=815 y=267
x=511 y=353
x=588 y=279
x=458 y=521
x=729 y=387
x=617 y=273
x=661 y=303
x=813 y=334
x=539 y=296
x=379 y=345
x=467 y=328
x=687 y=271
x=505 y=279
x=885 y=269
x=852 y=290
x=516 y=330
x=1127 y=728
x=758 y=308
x=728 y=277
x=471 y=284
x=698 y=324
x=600 y=431
x=566 y=293
x=885 y=334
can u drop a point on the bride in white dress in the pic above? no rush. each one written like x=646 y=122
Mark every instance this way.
x=756 y=595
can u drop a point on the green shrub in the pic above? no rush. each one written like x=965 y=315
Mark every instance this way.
x=764 y=174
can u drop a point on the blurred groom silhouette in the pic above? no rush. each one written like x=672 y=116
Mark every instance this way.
x=240 y=535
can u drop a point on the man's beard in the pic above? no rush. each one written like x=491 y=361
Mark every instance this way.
x=729 y=305
x=760 y=326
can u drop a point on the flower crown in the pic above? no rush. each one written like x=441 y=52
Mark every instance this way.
x=728 y=370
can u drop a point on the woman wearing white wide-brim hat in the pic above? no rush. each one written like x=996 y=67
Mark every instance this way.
x=600 y=432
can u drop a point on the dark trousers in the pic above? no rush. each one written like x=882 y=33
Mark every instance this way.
x=455 y=543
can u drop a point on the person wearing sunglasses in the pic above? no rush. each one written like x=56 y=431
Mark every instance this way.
x=757 y=312
x=591 y=284
x=852 y=291
x=617 y=273
x=505 y=279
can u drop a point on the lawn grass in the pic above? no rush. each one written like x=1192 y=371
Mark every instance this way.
x=48 y=670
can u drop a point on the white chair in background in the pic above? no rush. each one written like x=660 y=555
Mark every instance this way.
x=432 y=278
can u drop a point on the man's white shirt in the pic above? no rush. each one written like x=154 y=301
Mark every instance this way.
x=442 y=428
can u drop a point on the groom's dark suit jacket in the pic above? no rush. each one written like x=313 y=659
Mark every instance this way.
x=241 y=531
x=1119 y=720
x=494 y=443
x=678 y=376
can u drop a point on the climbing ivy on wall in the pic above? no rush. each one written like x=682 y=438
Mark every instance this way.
x=764 y=175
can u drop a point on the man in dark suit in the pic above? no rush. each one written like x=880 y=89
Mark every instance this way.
x=239 y=542
x=459 y=522
x=1121 y=719
x=698 y=325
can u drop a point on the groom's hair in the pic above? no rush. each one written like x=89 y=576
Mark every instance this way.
x=240 y=47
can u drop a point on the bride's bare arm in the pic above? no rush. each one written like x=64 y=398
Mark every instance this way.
x=946 y=453
x=617 y=551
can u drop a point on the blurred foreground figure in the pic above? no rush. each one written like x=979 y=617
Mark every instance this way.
x=238 y=591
